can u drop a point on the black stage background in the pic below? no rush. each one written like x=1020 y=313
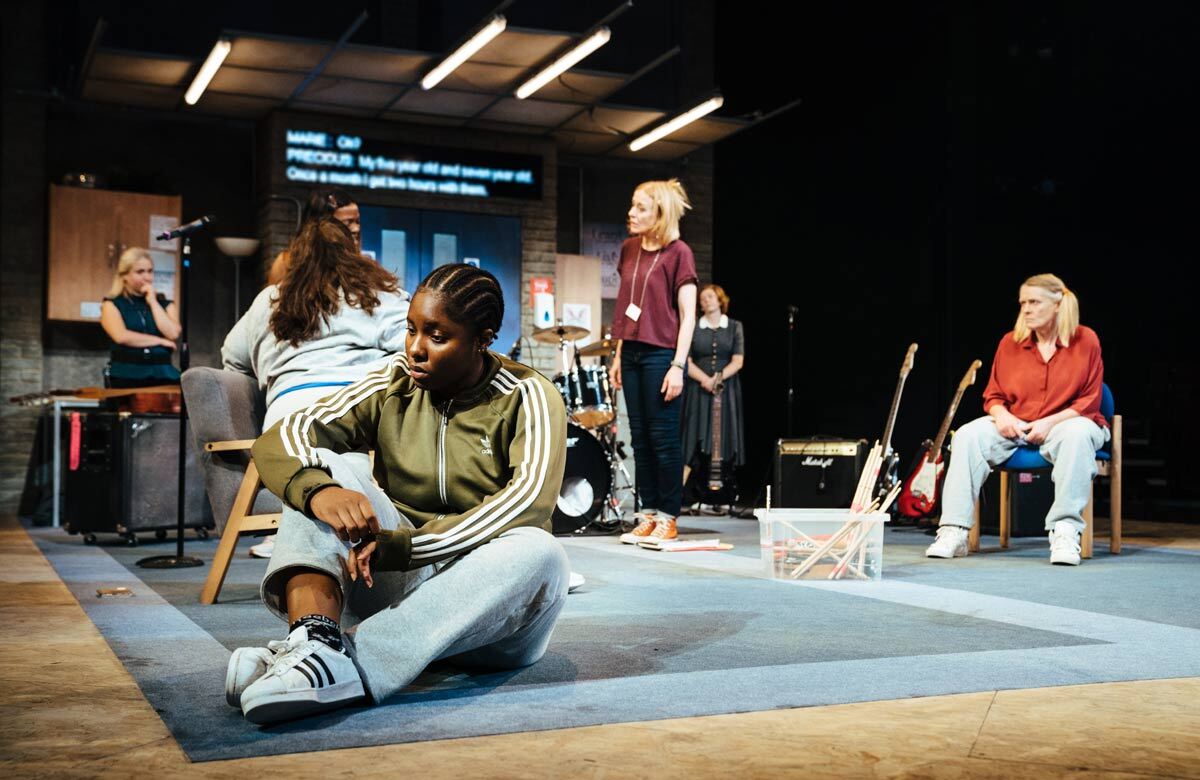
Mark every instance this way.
x=944 y=152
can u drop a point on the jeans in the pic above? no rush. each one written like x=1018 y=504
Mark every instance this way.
x=653 y=426
x=491 y=608
x=978 y=447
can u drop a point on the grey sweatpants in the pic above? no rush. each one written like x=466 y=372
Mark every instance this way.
x=492 y=608
x=978 y=447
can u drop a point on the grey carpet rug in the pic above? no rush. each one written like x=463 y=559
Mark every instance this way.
x=658 y=635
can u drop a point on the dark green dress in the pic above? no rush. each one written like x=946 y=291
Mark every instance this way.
x=140 y=366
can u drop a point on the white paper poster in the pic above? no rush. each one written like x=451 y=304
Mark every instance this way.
x=161 y=223
x=579 y=314
x=603 y=240
x=164 y=272
x=543 y=310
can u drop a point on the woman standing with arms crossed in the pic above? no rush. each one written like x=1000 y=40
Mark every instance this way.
x=654 y=321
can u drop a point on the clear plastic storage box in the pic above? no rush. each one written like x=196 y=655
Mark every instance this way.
x=821 y=544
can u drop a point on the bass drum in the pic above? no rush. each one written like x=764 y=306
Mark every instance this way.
x=585 y=482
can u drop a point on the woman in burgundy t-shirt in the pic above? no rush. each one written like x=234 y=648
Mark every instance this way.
x=654 y=320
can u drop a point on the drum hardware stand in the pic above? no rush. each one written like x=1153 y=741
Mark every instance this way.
x=613 y=515
x=582 y=412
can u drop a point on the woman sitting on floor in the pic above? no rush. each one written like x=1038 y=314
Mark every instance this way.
x=1045 y=388
x=449 y=555
x=331 y=320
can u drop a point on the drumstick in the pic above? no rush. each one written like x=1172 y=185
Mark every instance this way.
x=856 y=502
x=867 y=479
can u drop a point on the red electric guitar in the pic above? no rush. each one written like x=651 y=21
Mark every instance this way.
x=922 y=491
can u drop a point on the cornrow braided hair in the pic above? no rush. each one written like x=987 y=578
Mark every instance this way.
x=470 y=294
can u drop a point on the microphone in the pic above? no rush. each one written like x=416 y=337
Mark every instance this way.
x=515 y=352
x=184 y=230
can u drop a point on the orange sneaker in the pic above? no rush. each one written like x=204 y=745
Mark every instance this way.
x=641 y=531
x=664 y=531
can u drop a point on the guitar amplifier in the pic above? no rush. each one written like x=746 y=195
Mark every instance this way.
x=817 y=473
x=124 y=477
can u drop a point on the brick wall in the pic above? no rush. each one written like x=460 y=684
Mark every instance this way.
x=22 y=239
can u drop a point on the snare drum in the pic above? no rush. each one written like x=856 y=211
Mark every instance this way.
x=586 y=393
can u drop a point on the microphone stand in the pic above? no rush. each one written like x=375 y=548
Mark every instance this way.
x=791 y=386
x=179 y=560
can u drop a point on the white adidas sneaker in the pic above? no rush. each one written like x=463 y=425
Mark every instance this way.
x=951 y=542
x=246 y=665
x=307 y=677
x=1064 y=544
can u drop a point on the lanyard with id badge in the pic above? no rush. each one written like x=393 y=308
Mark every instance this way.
x=634 y=311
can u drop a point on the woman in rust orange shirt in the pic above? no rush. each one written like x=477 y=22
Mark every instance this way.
x=1044 y=390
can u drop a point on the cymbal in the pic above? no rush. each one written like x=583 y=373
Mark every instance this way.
x=602 y=347
x=559 y=333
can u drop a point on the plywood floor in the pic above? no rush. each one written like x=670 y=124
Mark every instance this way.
x=69 y=709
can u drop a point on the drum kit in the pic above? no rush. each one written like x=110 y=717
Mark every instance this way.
x=596 y=485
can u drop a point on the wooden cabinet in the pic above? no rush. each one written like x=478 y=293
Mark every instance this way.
x=89 y=229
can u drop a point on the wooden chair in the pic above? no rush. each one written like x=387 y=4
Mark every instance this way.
x=1108 y=464
x=241 y=518
x=226 y=412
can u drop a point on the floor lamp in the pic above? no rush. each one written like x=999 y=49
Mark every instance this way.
x=237 y=248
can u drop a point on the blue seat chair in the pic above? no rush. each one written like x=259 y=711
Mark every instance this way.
x=1027 y=458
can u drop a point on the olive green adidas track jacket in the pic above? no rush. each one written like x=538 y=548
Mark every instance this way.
x=463 y=472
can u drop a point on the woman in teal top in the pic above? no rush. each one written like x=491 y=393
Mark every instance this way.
x=143 y=325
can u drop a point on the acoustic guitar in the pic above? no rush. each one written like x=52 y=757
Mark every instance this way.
x=157 y=399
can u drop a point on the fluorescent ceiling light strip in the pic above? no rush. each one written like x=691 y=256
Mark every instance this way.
x=212 y=64
x=464 y=52
x=586 y=47
x=686 y=118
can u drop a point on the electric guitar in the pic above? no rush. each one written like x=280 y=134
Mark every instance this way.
x=889 y=475
x=922 y=491
x=714 y=482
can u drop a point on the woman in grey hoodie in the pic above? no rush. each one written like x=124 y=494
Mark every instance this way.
x=334 y=317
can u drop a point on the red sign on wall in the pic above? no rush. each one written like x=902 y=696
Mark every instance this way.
x=539 y=284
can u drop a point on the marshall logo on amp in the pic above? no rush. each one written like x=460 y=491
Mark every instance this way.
x=819 y=472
